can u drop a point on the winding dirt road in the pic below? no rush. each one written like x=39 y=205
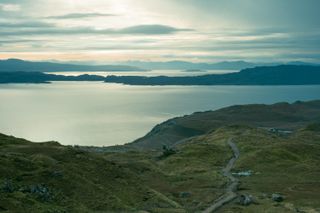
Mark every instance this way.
x=230 y=193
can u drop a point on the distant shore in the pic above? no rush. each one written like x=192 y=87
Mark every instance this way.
x=272 y=75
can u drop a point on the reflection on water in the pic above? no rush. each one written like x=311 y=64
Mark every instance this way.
x=96 y=113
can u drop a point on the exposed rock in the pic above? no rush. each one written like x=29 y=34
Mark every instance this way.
x=167 y=151
x=242 y=173
x=245 y=200
x=57 y=174
x=42 y=192
x=184 y=194
x=277 y=197
x=7 y=186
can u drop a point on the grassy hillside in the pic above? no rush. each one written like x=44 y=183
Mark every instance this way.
x=48 y=177
x=288 y=165
x=191 y=177
x=280 y=115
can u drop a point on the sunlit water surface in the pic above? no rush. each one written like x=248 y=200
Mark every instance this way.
x=148 y=73
x=96 y=113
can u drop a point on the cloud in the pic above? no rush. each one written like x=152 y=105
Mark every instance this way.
x=233 y=29
x=10 y=7
x=150 y=29
x=25 y=24
x=80 y=15
x=14 y=41
x=139 y=29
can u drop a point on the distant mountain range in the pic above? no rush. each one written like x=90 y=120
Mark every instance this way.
x=224 y=65
x=268 y=75
x=14 y=65
x=271 y=75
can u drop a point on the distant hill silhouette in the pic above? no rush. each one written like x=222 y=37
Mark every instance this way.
x=272 y=75
x=224 y=65
x=184 y=65
x=14 y=65
x=38 y=77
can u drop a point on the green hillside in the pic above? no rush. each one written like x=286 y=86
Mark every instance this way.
x=48 y=177
x=280 y=115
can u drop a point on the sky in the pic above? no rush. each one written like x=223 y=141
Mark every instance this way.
x=104 y=31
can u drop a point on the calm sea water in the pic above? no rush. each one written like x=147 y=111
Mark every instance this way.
x=96 y=113
x=148 y=73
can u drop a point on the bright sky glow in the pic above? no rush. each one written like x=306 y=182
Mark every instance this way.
x=160 y=30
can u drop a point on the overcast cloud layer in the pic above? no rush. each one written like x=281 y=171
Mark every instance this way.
x=193 y=30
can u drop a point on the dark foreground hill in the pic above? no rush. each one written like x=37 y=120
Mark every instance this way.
x=271 y=75
x=14 y=65
x=48 y=177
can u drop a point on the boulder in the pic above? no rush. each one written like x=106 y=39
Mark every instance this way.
x=245 y=200
x=277 y=197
